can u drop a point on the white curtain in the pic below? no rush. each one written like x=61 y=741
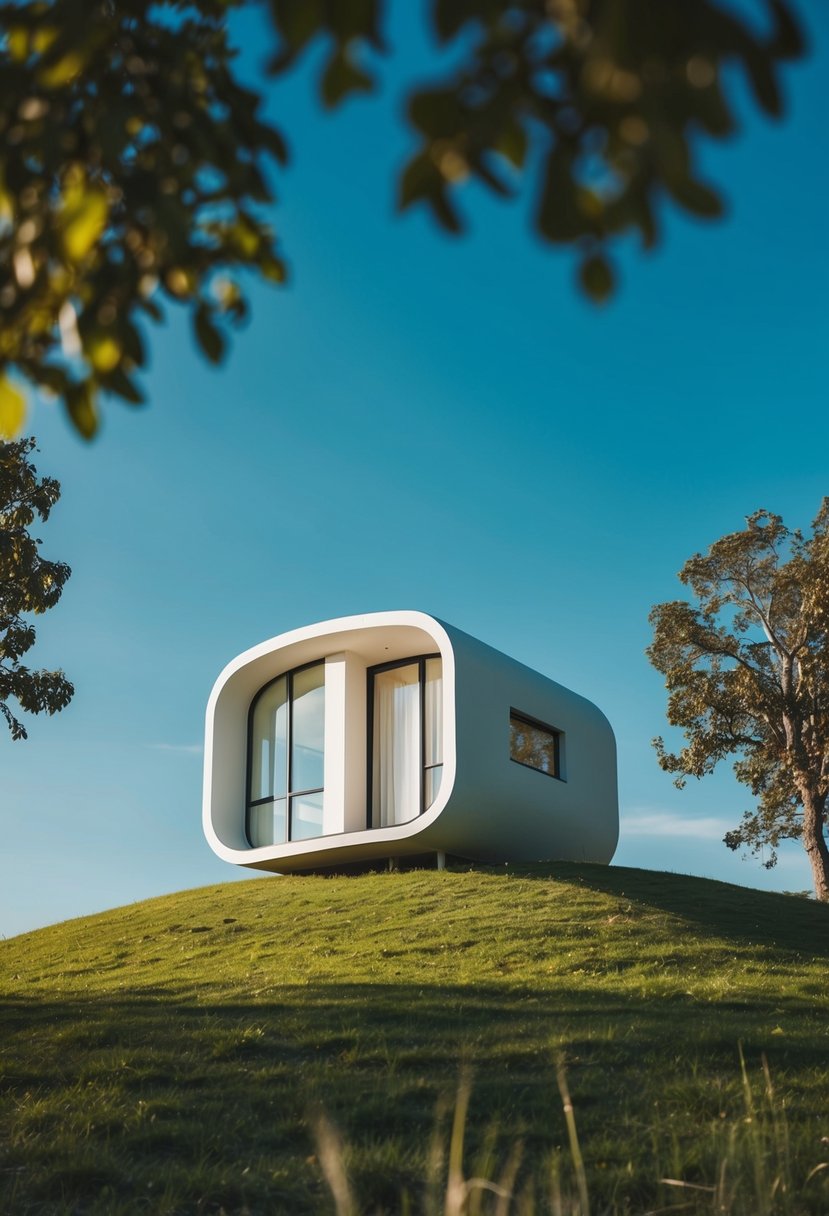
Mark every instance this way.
x=397 y=774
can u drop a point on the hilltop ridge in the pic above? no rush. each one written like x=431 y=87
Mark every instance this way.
x=170 y=1053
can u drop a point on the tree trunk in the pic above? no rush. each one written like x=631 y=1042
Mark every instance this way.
x=814 y=842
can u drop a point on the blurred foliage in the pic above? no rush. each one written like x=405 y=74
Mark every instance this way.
x=28 y=584
x=135 y=164
x=131 y=175
x=746 y=667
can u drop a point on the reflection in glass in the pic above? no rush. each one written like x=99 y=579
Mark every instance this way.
x=396 y=746
x=432 y=729
x=533 y=745
x=288 y=717
x=306 y=816
x=432 y=778
x=308 y=729
x=266 y=823
x=433 y=716
x=269 y=754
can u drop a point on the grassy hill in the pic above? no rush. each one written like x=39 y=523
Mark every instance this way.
x=174 y=1056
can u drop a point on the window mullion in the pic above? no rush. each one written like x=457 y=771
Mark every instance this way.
x=289 y=777
x=421 y=679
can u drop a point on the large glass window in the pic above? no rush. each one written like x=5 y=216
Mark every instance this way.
x=286 y=739
x=533 y=744
x=406 y=738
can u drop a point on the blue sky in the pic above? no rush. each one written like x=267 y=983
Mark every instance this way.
x=427 y=423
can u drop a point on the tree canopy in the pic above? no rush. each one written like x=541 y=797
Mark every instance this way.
x=29 y=584
x=746 y=667
x=135 y=165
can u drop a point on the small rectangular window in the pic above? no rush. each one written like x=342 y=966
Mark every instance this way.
x=533 y=744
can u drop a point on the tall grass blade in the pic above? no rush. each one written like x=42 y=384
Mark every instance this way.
x=573 y=1137
x=455 y=1185
x=761 y=1185
x=330 y=1154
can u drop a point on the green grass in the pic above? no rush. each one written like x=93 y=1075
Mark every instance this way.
x=174 y=1056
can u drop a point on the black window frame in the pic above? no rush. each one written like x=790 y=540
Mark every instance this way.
x=371 y=672
x=556 y=734
x=290 y=794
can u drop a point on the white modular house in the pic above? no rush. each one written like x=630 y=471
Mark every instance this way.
x=394 y=735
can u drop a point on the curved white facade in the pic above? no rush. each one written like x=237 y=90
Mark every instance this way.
x=481 y=708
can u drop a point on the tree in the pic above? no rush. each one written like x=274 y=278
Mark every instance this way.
x=746 y=667
x=134 y=164
x=28 y=584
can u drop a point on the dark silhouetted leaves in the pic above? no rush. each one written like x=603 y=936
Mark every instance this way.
x=134 y=177
x=29 y=584
x=596 y=278
x=119 y=383
x=612 y=96
x=342 y=77
x=134 y=164
x=513 y=143
x=763 y=82
x=209 y=337
x=700 y=200
x=787 y=42
x=559 y=217
x=82 y=411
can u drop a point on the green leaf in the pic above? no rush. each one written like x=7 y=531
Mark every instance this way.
x=83 y=218
x=417 y=180
x=444 y=210
x=80 y=402
x=12 y=409
x=492 y=180
x=276 y=144
x=596 y=278
x=151 y=308
x=449 y=17
x=273 y=269
x=512 y=143
x=342 y=77
x=763 y=82
x=118 y=382
x=52 y=378
x=297 y=24
x=245 y=237
x=102 y=350
x=422 y=181
x=17 y=43
x=700 y=200
x=356 y=19
x=210 y=339
x=711 y=110
x=644 y=217
x=559 y=217
x=55 y=75
x=788 y=41
x=436 y=112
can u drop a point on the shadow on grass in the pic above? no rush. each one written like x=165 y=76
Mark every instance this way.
x=720 y=909
x=119 y=1095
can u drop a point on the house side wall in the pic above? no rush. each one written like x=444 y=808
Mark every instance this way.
x=503 y=810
